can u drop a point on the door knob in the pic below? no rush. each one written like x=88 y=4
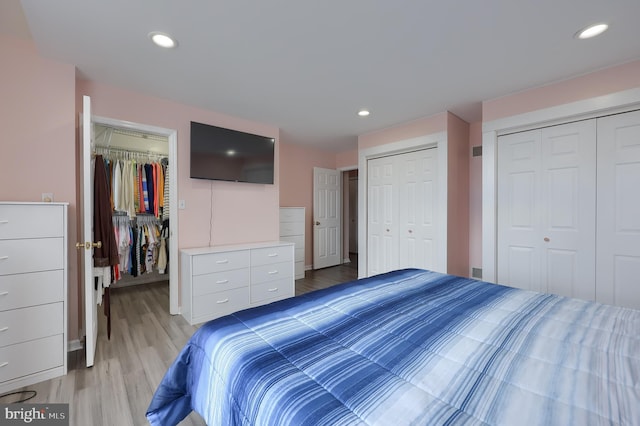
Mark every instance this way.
x=317 y=223
x=547 y=239
x=88 y=246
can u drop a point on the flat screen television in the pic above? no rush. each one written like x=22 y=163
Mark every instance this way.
x=230 y=155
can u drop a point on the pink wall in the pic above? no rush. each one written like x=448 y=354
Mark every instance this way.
x=424 y=126
x=216 y=212
x=603 y=82
x=296 y=183
x=347 y=159
x=458 y=196
x=475 y=198
x=37 y=118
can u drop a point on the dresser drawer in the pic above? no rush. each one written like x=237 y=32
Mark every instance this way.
x=269 y=255
x=291 y=228
x=31 y=357
x=31 y=221
x=273 y=290
x=222 y=303
x=37 y=288
x=275 y=271
x=31 y=255
x=216 y=262
x=220 y=281
x=35 y=322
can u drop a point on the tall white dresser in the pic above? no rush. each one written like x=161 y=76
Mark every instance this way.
x=33 y=293
x=292 y=230
x=220 y=280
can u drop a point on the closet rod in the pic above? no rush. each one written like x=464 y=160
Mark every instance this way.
x=108 y=150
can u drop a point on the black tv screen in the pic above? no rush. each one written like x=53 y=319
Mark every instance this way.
x=224 y=154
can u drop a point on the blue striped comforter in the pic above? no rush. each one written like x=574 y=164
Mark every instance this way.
x=410 y=347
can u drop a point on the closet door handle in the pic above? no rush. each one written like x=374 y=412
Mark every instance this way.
x=4 y=221
x=4 y=257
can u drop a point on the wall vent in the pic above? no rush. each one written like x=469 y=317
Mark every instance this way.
x=477 y=151
x=476 y=273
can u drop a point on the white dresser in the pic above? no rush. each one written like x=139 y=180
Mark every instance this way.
x=33 y=293
x=220 y=280
x=292 y=230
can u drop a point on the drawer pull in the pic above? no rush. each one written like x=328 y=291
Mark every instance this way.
x=222 y=301
x=4 y=293
x=272 y=272
x=4 y=364
x=271 y=290
x=222 y=261
x=4 y=257
x=4 y=329
x=222 y=281
x=272 y=254
x=4 y=221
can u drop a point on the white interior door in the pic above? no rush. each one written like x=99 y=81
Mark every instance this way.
x=546 y=210
x=619 y=210
x=327 y=208
x=417 y=197
x=519 y=198
x=382 y=212
x=86 y=191
x=569 y=210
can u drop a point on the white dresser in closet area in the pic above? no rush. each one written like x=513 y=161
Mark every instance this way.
x=33 y=293
x=292 y=230
x=220 y=280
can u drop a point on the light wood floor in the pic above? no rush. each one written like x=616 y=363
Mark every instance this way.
x=145 y=339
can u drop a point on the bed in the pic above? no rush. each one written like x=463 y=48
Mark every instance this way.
x=410 y=347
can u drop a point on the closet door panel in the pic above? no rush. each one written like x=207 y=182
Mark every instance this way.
x=519 y=197
x=568 y=206
x=618 y=231
x=382 y=253
x=416 y=185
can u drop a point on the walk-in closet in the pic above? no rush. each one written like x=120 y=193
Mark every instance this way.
x=137 y=168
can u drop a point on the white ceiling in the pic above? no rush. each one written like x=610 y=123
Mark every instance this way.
x=308 y=66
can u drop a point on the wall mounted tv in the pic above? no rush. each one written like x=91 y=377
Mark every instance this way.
x=224 y=154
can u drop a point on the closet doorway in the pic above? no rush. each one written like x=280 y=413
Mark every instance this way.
x=97 y=137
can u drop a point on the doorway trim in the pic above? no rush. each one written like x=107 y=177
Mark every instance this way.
x=172 y=137
x=612 y=103
x=434 y=140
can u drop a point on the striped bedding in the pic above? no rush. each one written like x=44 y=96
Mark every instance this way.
x=410 y=347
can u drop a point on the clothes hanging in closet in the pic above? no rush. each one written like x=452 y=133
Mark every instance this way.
x=138 y=187
x=139 y=198
x=141 y=245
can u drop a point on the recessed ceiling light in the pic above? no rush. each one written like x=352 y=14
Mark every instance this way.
x=592 y=31
x=162 y=40
x=363 y=113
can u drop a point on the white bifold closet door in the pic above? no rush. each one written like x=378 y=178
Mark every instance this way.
x=618 y=253
x=401 y=226
x=546 y=209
